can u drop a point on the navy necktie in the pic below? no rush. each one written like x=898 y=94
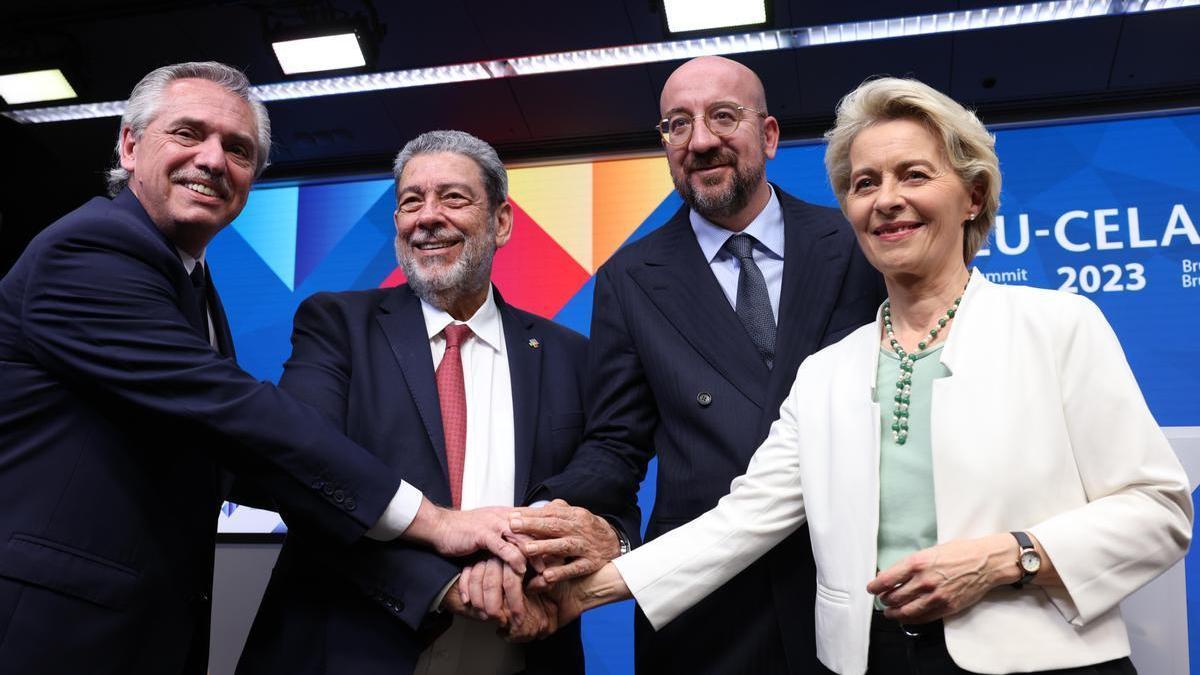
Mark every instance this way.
x=201 y=285
x=753 y=301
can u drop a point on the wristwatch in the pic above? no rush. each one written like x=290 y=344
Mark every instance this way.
x=622 y=541
x=1028 y=559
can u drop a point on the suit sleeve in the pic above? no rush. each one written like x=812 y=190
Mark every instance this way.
x=669 y=575
x=100 y=312
x=318 y=373
x=1138 y=519
x=605 y=473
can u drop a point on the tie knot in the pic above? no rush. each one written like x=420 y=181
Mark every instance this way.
x=740 y=246
x=455 y=334
x=197 y=275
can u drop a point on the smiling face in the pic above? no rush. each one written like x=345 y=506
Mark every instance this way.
x=720 y=177
x=191 y=168
x=906 y=203
x=446 y=234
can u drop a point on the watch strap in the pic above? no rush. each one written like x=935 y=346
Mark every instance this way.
x=1024 y=544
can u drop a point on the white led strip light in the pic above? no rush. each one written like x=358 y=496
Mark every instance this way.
x=587 y=59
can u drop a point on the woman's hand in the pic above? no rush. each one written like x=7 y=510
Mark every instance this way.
x=950 y=577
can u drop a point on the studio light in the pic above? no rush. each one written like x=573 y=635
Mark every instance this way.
x=35 y=86
x=686 y=16
x=316 y=54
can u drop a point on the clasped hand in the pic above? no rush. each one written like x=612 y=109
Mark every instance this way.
x=561 y=543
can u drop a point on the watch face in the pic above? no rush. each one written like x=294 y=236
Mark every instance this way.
x=1031 y=562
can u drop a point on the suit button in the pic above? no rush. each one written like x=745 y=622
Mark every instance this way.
x=327 y=489
x=202 y=597
x=349 y=504
x=339 y=496
x=318 y=484
x=704 y=399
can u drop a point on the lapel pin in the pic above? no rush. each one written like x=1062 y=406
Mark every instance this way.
x=534 y=344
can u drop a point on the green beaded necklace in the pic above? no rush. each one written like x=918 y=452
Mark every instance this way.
x=904 y=384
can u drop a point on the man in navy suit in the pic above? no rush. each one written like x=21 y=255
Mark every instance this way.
x=697 y=332
x=400 y=370
x=121 y=406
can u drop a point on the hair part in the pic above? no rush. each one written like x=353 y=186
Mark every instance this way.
x=968 y=146
x=495 y=176
x=148 y=94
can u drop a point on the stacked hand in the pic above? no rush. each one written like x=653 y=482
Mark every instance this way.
x=561 y=543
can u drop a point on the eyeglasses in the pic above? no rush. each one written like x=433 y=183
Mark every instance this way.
x=721 y=119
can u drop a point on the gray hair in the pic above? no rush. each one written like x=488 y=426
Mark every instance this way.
x=147 y=96
x=495 y=177
x=969 y=148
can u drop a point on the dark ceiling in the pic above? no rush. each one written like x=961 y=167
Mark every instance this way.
x=1100 y=65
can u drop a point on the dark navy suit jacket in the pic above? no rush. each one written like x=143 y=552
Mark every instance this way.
x=676 y=374
x=363 y=359
x=115 y=415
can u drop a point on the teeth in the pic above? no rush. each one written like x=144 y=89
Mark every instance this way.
x=202 y=189
x=892 y=230
x=434 y=245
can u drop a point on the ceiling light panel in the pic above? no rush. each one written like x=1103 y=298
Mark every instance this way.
x=34 y=86
x=694 y=15
x=315 y=54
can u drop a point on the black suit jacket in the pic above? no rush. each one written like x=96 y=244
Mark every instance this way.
x=115 y=414
x=362 y=358
x=677 y=375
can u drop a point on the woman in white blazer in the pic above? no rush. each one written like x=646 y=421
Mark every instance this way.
x=980 y=473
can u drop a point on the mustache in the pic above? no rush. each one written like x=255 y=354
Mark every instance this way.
x=188 y=175
x=715 y=157
x=437 y=235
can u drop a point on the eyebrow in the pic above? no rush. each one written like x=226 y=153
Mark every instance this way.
x=906 y=164
x=682 y=109
x=202 y=124
x=440 y=187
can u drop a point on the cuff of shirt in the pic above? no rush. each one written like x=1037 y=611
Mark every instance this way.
x=436 y=605
x=398 y=515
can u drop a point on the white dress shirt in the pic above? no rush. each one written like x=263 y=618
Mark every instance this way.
x=767 y=230
x=471 y=647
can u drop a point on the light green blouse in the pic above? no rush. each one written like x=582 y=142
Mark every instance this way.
x=907 y=519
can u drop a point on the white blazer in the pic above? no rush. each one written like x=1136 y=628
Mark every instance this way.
x=1040 y=427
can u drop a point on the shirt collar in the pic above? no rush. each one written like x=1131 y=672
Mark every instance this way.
x=767 y=228
x=189 y=263
x=485 y=323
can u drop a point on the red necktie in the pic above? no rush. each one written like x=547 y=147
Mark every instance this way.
x=452 y=396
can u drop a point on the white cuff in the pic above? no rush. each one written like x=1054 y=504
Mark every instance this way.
x=398 y=515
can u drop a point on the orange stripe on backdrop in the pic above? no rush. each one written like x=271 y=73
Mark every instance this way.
x=624 y=193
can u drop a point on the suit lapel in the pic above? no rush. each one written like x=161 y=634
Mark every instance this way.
x=809 y=291
x=404 y=326
x=680 y=283
x=525 y=371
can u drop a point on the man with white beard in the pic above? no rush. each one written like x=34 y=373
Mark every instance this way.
x=478 y=401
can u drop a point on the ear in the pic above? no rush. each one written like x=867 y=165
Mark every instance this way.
x=504 y=224
x=978 y=190
x=128 y=141
x=770 y=136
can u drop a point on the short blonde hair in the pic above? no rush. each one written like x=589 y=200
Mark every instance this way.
x=968 y=146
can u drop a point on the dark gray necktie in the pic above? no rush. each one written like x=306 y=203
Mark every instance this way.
x=753 y=301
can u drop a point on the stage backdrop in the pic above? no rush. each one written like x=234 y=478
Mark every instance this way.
x=1106 y=208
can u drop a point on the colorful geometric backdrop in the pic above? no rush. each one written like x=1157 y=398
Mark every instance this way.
x=1105 y=208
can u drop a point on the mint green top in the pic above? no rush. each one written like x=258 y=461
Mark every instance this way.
x=907 y=519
